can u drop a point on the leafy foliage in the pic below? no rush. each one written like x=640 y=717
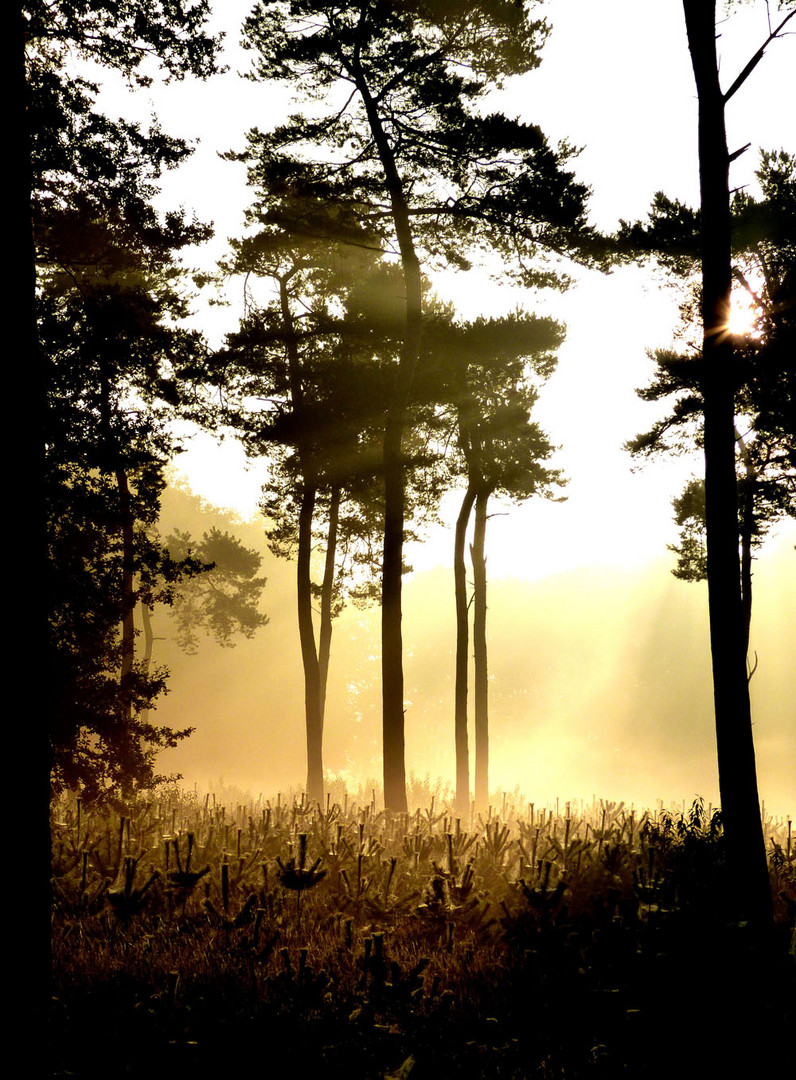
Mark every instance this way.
x=764 y=246
x=402 y=82
x=110 y=302
x=223 y=599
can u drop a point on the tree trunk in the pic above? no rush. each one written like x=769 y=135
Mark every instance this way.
x=149 y=645
x=736 y=755
x=327 y=595
x=30 y=746
x=394 y=500
x=309 y=655
x=392 y=674
x=462 y=656
x=480 y=652
x=313 y=714
x=746 y=490
x=128 y=598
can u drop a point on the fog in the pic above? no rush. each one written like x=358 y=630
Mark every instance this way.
x=599 y=684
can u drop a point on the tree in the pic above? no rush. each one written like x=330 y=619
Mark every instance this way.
x=716 y=379
x=491 y=371
x=316 y=355
x=288 y=355
x=105 y=291
x=764 y=258
x=223 y=599
x=401 y=144
x=104 y=309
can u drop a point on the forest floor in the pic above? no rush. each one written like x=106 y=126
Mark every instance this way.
x=286 y=941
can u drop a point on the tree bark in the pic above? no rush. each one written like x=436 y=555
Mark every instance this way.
x=746 y=490
x=309 y=655
x=394 y=496
x=30 y=747
x=313 y=716
x=327 y=595
x=462 y=655
x=128 y=590
x=736 y=754
x=478 y=558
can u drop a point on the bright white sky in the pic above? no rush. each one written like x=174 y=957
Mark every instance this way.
x=616 y=80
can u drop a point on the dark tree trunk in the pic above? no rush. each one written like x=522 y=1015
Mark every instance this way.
x=30 y=746
x=313 y=714
x=327 y=596
x=309 y=656
x=736 y=754
x=391 y=631
x=462 y=655
x=480 y=653
x=394 y=500
x=127 y=533
x=747 y=518
x=128 y=592
x=149 y=646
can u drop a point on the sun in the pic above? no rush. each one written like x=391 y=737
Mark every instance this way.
x=743 y=314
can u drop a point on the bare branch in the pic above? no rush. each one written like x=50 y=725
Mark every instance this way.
x=758 y=56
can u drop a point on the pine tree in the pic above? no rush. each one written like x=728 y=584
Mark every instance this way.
x=401 y=145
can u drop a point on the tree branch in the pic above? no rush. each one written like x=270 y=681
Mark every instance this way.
x=758 y=56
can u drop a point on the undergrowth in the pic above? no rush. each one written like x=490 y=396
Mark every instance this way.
x=296 y=940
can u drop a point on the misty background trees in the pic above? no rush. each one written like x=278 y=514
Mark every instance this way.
x=369 y=398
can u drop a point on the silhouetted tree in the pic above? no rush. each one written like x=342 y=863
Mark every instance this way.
x=402 y=145
x=223 y=599
x=105 y=309
x=716 y=382
x=764 y=271
x=105 y=353
x=495 y=367
x=319 y=354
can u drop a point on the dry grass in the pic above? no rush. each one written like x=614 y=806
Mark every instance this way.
x=190 y=937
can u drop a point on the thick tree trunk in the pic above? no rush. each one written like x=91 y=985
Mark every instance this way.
x=462 y=655
x=29 y=745
x=736 y=754
x=480 y=653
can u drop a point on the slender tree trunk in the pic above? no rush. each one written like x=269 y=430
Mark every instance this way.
x=127 y=532
x=149 y=635
x=128 y=591
x=309 y=655
x=313 y=711
x=149 y=645
x=394 y=498
x=462 y=655
x=327 y=595
x=746 y=490
x=480 y=653
x=391 y=617
x=736 y=754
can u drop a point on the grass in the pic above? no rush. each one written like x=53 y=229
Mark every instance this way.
x=191 y=939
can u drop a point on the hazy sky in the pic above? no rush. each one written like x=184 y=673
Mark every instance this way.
x=616 y=80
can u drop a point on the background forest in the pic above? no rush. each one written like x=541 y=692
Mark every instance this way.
x=433 y=325
x=381 y=406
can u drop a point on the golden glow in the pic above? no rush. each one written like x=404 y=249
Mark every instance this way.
x=742 y=315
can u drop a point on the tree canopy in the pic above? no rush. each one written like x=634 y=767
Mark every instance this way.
x=110 y=344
